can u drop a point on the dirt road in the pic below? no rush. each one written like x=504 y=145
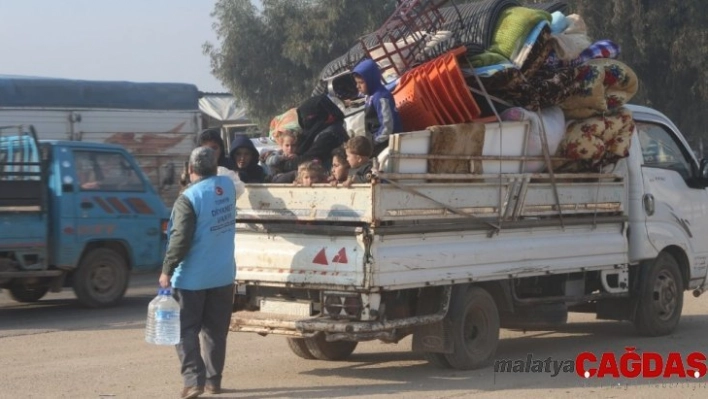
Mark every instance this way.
x=54 y=349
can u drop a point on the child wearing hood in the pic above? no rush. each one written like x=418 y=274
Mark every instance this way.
x=245 y=158
x=380 y=115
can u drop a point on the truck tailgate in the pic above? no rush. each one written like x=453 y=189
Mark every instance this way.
x=291 y=258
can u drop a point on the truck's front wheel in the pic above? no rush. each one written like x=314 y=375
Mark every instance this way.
x=101 y=279
x=660 y=299
x=321 y=349
x=26 y=294
x=475 y=329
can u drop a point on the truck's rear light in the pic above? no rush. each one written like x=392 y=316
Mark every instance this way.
x=333 y=305
x=342 y=305
x=352 y=305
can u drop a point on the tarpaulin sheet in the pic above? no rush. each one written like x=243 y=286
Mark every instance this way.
x=223 y=108
x=19 y=91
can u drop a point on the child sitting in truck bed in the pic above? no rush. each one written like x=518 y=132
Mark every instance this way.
x=285 y=159
x=309 y=173
x=340 y=167
x=245 y=157
x=359 y=150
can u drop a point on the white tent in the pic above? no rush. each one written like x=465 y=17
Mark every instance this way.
x=223 y=108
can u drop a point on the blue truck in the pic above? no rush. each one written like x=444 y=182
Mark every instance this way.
x=74 y=214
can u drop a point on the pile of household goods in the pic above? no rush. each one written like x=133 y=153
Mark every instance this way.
x=449 y=63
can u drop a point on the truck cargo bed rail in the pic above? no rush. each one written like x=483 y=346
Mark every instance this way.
x=21 y=179
x=523 y=197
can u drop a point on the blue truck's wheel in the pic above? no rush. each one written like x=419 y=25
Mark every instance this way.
x=27 y=294
x=101 y=279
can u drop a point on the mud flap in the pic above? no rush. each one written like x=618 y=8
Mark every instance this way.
x=436 y=337
x=433 y=338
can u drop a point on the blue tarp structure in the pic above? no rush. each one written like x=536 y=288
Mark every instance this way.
x=18 y=91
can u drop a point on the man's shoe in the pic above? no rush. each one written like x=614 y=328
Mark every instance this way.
x=212 y=389
x=192 y=392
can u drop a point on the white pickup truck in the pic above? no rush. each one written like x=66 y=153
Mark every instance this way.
x=452 y=262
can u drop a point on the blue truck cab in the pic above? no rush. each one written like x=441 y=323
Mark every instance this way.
x=74 y=214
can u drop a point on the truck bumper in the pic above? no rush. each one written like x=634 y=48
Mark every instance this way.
x=336 y=329
x=245 y=322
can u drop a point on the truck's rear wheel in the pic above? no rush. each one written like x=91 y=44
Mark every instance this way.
x=437 y=359
x=299 y=348
x=101 y=279
x=660 y=300
x=26 y=294
x=323 y=350
x=475 y=329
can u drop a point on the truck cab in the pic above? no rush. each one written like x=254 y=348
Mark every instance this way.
x=75 y=214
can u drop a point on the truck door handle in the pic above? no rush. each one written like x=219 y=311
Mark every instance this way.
x=649 y=204
x=86 y=205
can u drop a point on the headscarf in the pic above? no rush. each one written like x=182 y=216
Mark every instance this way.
x=313 y=116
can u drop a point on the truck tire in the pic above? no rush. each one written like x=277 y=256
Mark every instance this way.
x=299 y=348
x=101 y=279
x=660 y=299
x=323 y=350
x=475 y=329
x=27 y=294
x=437 y=359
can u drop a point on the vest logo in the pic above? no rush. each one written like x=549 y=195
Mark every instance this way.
x=219 y=190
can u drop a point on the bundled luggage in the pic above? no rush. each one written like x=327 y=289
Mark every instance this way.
x=498 y=60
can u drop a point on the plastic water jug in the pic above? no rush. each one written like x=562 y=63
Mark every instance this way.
x=162 y=326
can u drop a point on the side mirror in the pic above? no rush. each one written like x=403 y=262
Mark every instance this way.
x=704 y=169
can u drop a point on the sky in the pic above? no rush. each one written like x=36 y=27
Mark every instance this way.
x=126 y=40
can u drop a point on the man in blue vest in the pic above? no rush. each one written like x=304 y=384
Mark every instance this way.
x=199 y=264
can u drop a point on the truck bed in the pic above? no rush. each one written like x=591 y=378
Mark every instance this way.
x=410 y=234
x=21 y=195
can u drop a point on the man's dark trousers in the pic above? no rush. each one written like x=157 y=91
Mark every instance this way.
x=207 y=311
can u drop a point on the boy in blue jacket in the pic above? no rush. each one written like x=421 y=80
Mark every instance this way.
x=380 y=114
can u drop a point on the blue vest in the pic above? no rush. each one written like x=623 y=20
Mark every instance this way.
x=210 y=260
